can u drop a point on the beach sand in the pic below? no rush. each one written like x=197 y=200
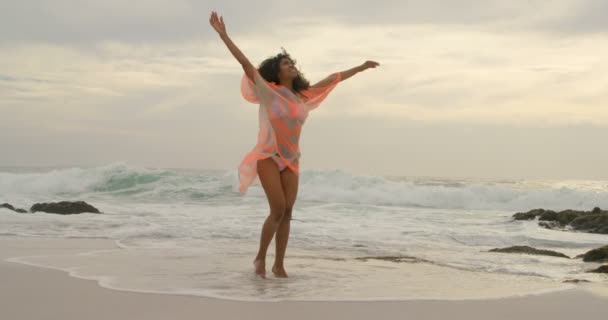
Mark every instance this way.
x=29 y=292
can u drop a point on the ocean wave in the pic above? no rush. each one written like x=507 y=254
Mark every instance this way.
x=119 y=179
x=338 y=186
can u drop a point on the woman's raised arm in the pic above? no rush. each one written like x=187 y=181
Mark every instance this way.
x=347 y=73
x=218 y=24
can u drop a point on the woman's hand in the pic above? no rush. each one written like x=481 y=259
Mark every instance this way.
x=218 y=23
x=348 y=73
x=369 y=64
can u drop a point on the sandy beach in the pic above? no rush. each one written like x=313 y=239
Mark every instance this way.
x=30 y=292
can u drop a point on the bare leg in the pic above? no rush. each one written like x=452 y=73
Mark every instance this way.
x=270 y=178
x=290 y=189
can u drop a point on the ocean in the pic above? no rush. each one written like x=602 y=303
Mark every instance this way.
x=184 y=231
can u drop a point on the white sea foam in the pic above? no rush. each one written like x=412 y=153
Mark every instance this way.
x=187 y=231
x=120 y=179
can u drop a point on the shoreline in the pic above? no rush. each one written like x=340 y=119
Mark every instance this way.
x=37 y=248
x=46 y=246
x=57 y=294
x=209 y=296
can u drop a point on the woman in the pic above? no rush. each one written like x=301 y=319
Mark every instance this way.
x=285 y=97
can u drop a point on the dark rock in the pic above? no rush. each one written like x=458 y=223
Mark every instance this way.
x=64 y=207
x=548 y=216
x=549 y=224
x=575 y=281
x=394 y=259
x=562 y=218
x=595 y=255
x=602 y=269
x=593 y=223
x=530 y=215
x=9 y=206
x=580 y=256
x=530 y=250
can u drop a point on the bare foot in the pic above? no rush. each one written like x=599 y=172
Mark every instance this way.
x=279 y=272
x=260 y=268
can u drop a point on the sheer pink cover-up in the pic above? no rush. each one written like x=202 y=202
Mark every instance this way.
x=281 y=117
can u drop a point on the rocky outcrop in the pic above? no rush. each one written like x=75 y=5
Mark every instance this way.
x=530 y=250
x=530 y=215
x=562 y=218
x=64 y=207
x=602 y=269
x=596 y=255
x=575 y=281
x=10 y=207
x=407 y=259
x=594 y=221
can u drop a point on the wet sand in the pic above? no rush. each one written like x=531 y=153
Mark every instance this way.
x=30 y=292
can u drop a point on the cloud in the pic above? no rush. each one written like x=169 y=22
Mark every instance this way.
x=449 y=75
x=109 y=71
x=582 y=17
x=87 y=22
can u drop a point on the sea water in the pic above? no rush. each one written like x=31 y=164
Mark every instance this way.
x=353 y=237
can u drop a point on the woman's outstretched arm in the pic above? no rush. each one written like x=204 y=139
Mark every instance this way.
x=347 y=73
x=218 y=24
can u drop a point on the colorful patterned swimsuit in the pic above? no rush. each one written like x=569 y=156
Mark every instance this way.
x=281 y=117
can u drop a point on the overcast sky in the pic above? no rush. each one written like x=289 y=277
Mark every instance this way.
x=505 y=89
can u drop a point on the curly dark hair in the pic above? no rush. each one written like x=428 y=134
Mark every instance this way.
x=269 y=70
